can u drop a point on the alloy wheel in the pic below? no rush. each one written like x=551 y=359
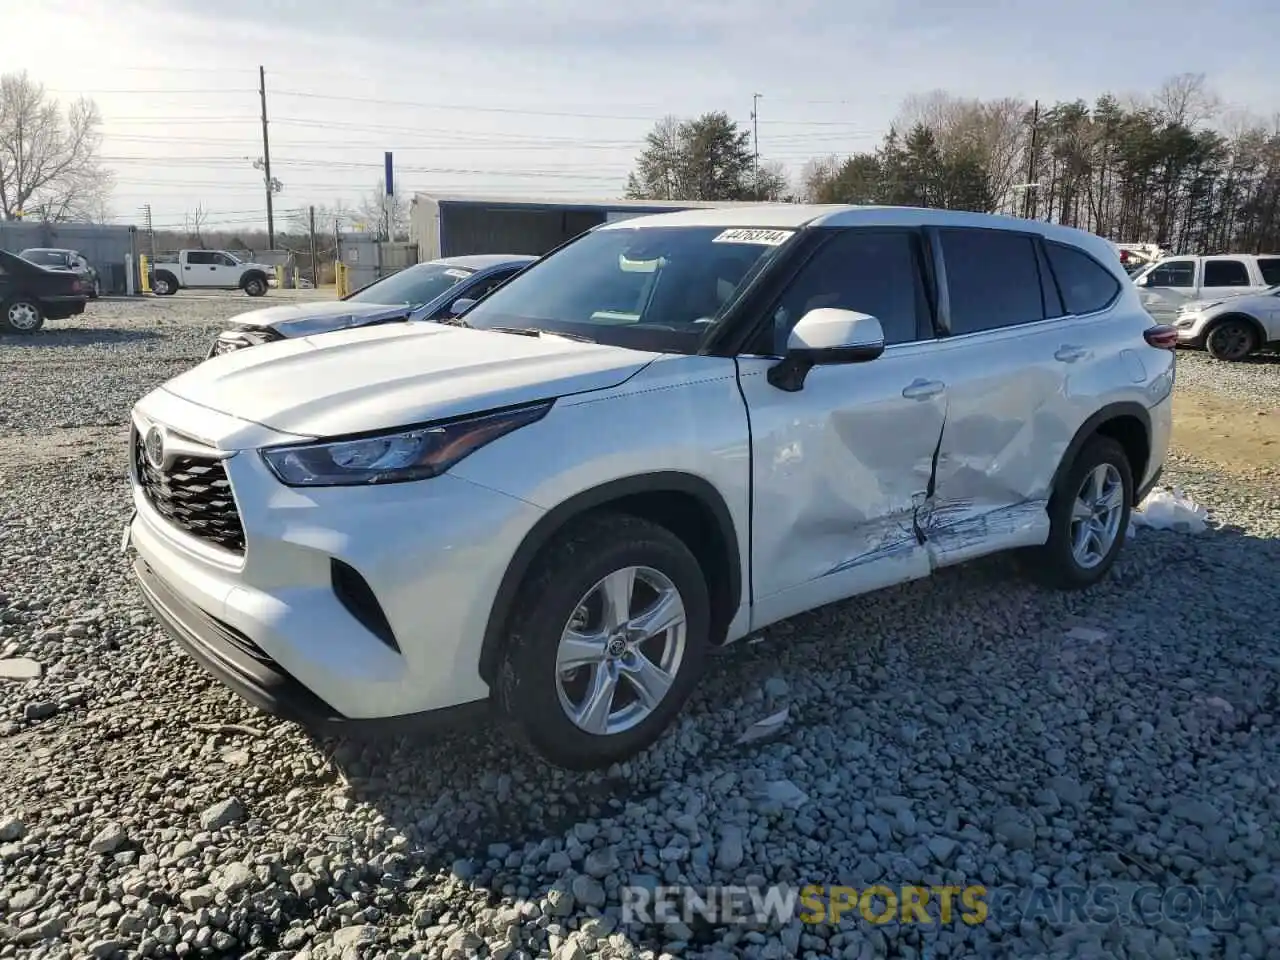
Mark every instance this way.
x=621 y=650
x=1096 y=515
x=23 y=316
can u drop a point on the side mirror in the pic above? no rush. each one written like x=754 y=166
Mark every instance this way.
x=460 y=306
x=826 y=336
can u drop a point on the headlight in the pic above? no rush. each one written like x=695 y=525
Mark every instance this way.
x=415 y=453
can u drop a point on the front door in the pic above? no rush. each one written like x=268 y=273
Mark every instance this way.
x=840 y=468
x=1167 y=287
x=226 y=271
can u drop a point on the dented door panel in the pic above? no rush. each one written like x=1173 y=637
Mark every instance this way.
x=839 y=470
x=1007 y=424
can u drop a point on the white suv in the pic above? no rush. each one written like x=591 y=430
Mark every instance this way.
x=665 y=435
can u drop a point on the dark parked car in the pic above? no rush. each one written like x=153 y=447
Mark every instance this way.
x=425 y=291
x=30 y=294
x=60 y=258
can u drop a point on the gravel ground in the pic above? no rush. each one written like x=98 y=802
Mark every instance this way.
x=964 y=730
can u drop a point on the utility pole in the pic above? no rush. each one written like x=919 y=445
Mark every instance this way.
x=151 y=233
x=755 y=144
x=315 y=277
x=266 y=159
x=1030 y=201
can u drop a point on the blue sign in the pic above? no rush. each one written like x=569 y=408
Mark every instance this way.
x=386 y=158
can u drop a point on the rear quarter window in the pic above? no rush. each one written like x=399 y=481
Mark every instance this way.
x=1086 y=285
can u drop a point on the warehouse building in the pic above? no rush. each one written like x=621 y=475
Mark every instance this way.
x=457 y=226
x=113 y=250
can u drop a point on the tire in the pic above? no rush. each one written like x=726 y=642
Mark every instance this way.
x=1057 y=564
x=1231 y=340
x=255 y=286
x=164 y=285
x=536 y=699
x=21 y=315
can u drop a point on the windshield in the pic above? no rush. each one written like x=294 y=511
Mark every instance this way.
x=654 y=288
x=413 y=286
x=46 y=258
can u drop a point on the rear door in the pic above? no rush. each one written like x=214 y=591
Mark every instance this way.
x=1011 y=356
x=200 y=269
x=1227 y=277
x=1168 y=286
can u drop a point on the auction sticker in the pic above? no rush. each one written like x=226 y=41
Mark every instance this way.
x=768 y=238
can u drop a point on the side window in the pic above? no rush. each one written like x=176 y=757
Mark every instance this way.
x=484 y=286
x=1270 y=269
x=1225 y=273
x=1086 y=285
x=993 y=280
x=200 y=258
x=1175 y=273
x=224 y=260
x=872 y=272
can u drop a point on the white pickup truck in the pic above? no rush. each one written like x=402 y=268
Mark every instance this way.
x=208 y=270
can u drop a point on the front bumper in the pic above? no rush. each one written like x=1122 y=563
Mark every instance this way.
x=1190 y=329
x=431 y=555
x=238 y=663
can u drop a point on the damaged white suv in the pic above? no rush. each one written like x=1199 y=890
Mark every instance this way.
x=665 y=435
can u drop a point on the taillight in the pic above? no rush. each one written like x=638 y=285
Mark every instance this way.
x=77 y=286
x=1162 y=336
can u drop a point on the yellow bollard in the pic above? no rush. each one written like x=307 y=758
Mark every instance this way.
x=340 y=278
x=144 y=265
x=279 y=277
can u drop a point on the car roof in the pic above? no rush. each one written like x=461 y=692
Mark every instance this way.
x=795 y=216
x=48 y=250
x=481 y=261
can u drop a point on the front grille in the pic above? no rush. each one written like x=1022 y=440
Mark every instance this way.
x=194 y=495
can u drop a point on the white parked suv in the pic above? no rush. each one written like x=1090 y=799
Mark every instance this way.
x=664 y=436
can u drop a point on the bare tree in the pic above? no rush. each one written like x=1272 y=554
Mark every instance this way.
x=992 y=133
x=1186 y=99
x=49 y=165
x=374 y=211
x=194 y=223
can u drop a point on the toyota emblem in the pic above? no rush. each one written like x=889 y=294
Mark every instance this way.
x=153 y=448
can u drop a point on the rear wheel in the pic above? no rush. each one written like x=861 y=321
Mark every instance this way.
x=1231 y=340
x=1089 y=517
x=608 y=638
x=22 y=315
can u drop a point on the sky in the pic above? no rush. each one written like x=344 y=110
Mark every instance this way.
x=553 y=98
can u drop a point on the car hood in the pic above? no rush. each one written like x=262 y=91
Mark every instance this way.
x=381 y=377
x=307 y=319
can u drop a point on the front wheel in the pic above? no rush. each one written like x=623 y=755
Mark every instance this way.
x=163 y=285
x=22 y=315
x=608 y=637
x=1089 y=517
x=1231 y=340
x=255 y=286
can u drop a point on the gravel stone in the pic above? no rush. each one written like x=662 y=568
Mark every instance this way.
x=222 y=814
x=966 y=729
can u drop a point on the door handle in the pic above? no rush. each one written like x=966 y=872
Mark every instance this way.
x=186 y=268
x=923 y=389
x=1069 y=354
